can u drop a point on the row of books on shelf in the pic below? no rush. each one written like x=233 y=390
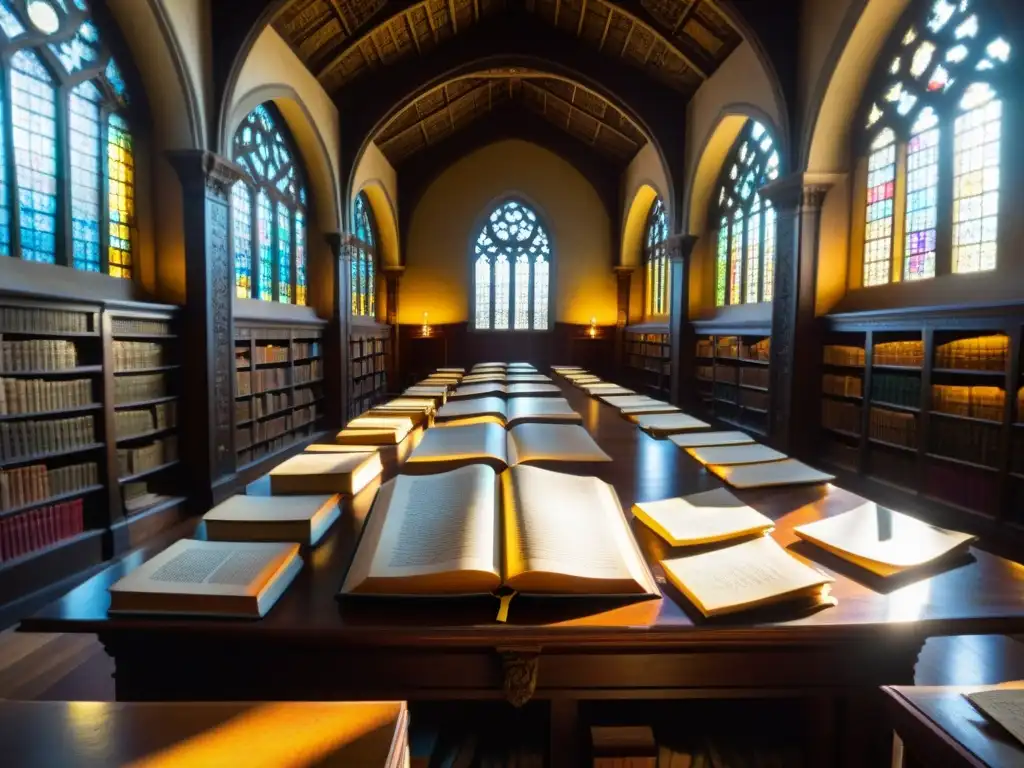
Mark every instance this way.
x=39 y=395
x=837 y=415
x=137 y=497
x=368 y=365
x=981 y=353
x=308 y=372
x=130 y=355
x=258 y=451
x=247 y=382
x=369 y=385
x=893 y=427
x=967 y=441
x=848 y=386
x=131 y=461
x=28 y=438
x=33 y=319
x=270 y=353
x=136 y=422
x=910 y=353
x=38 y=355
x=269 y=402
x=26 y=485
x=896 y=388
x=361 y=346
x=756 y=400
x=40 y=528
x=654 y=365
x=140 y=326
x=135 y=389
x=304 y=349
x=842 y=354
x=976 y=402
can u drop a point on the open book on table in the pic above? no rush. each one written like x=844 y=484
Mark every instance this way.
x=509 y=413
x=473 y=531
x=446 y=448
x=485 y=389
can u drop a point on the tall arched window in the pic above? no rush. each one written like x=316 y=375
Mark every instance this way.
x=656 y=260
x=932 y=139
x=745 y=259
x=67 y=171
x=364 y=275
x=268 y=211
x=511 y=270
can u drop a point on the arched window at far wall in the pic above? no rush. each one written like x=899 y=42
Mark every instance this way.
x=268 y=211
x=932 y=141
x=364 y=272
x=67 y=171
x=745 y=260
x=656 y=260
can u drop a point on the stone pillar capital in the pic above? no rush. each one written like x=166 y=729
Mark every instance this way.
x=802 y=192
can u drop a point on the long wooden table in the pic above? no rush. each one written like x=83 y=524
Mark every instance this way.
x=310 y=647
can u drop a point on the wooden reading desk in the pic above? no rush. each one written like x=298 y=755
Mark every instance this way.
x=310 y=647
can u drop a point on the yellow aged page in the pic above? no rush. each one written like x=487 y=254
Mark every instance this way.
x=567 y=535
x=437 y=534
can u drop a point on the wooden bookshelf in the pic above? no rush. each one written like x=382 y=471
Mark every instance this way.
x=732 y=376
x=648 y=359
x=279 y=392
x=88 y=391
x=369 y=358
x=917 y=403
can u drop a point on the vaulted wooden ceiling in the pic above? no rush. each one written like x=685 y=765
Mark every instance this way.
x=680 y=42
x=575 y=109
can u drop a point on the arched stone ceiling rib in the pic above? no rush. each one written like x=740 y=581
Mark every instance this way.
x=680 y=42
x=573 y=108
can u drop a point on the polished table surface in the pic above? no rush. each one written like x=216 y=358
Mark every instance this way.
x=938 y=726
x=87 y=734
x=981 y=594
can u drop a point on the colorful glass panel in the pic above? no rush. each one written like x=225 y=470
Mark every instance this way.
x=540 y=293
x=371 y=285
x=880 y=196
x=120 y=197
x=743 y=239
x=654 y=257
x=482 y=279
x=9 y=22
x=977 y=143
x=33 y=116
x=501 y=292
x=80 y=51
x=284 y=254
x=5 y=206
x=768 y=278
x=241 y=230
x=522 y=302
x=364 y=285
x=84 y=142
x=922 y=197
x=265 y=226
x=300 y=258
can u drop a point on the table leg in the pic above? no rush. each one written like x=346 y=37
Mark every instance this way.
x=564 y=737
x=897 y=750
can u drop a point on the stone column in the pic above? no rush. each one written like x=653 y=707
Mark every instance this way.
x=679 y=248
x=796 y=349
x=337 y=354
x=392 y=278
x=207 y=447
x=624 y=287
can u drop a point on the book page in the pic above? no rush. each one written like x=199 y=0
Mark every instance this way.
x=436 y=534
x=663 y=423
x=702 y=439
x=567 y=534
x=552 y=442
x=701 y=518
x=541 y=409
x=1005 y=705
x=741 y=576
x=770 y=474
x=726 y=455
x=473 y=441
x=478 y=406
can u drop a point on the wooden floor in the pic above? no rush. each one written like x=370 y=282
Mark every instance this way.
x=59 y=667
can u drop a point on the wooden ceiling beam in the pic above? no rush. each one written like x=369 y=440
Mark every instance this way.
x=650 y=50
x=412 y=33
x=685 y=16
x=607 y=23
x=430 y=20
x=448 y=106
x=583 y=15
x=558 y=8
x=572 y=106
x=451 y=15
x=605 y=125
x=728 y=19
x=336 y=7
x=424 y=117
x=476 y=10
x=376 y=48
x=625 y=42
x=635 y=11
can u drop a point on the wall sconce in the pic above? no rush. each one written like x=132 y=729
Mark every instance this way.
x=592 y=331
x=426 y=330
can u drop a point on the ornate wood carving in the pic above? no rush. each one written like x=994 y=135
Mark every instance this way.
x=520 y=675
x=206 y=181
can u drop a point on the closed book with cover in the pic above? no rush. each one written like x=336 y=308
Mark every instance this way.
x=518 y=410
x=753 y=574
x=315 y=473
x=704 y=439
x=447 y=448
x=662 y=424
x=472 y=531
x=701 y=518
x=884 y=541
x=770 y=474
x=209 y=578
x=495 y=389
x=727 y=455
x=302 y=519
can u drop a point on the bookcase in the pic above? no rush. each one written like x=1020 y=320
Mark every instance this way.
x=88 y=423
x=916 y=403
x=732 y=375
x=648 y=360
x=369 y=359
x=279 y=391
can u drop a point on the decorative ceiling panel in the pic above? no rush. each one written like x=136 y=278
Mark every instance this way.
x=680 y=42
x=449 y=108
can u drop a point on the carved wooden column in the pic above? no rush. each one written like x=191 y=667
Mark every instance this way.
x=392 y=278
x=337 y=357
x=796 y=351
x=624 y=286
x=678 y=248
x=208 y=446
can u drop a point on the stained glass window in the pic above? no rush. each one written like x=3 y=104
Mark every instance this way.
x=264 y=150
x=364 y=282
x=937 y=101
x=512 y=235
x=656 y=260
x=241 y=230
x=881 y=195
x=62 y=101
x=745 y=261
